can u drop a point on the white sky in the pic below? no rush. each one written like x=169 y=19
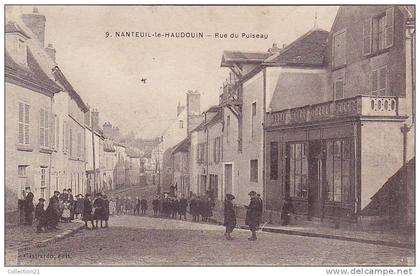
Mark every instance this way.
x=106 y=72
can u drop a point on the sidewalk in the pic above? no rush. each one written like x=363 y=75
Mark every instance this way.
x=316 y=230
x=20 y=237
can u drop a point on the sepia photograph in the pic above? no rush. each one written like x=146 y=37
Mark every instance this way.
x=210 y=135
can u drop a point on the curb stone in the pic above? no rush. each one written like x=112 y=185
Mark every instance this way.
x=55 y=238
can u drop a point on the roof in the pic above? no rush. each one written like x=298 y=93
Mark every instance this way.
x=182 y=146
x=69 y=88
x=32 y=72
x=216 y=118
x=133 y=152
x=214 y=108
x=109 y=146
x=230 y=57
x=309 y=50
x=13 y=27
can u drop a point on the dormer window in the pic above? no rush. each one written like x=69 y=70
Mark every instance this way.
x=16 y=43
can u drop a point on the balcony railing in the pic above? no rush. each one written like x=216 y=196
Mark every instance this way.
x=355 y=106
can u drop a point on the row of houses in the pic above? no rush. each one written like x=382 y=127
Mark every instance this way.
x=328 y=120
x=53 y=139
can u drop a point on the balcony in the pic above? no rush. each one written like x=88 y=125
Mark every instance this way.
x=382 y=106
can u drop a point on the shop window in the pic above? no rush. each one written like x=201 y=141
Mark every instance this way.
x=298 y=170
x=338 y=170
x=274 y=160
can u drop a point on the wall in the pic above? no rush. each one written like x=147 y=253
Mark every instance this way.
x=32 y=157
x=216 y=168
x=359 y=67
x=381 y=156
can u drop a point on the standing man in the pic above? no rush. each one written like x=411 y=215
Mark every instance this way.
x=229 y=216
x=261 y=206
x=53 y=212
x=182 y=207
x=64 y=196
x=71 y=201
x=87 y=211
x=253 y=215
x=29 y=206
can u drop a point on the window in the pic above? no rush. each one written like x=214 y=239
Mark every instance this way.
x=227 y=128
x=22 y=171
x=44 y=128
x=338 y=163
x=274 y=160
x=339 y=49
x=378 y=32
x=253 y=171
x=379 y=81
x=216 y=150
x=200 y=153
x=253 y=117
x=298 y=170
x=339 y=89
x=214 y=185
x=181 y=123
x=23 y=124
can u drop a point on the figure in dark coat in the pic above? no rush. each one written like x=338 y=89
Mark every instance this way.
x=182 y=207
x=52 y=214
x=106 y=210
x=143 y=206
x=253 y=215
x=87 y=211
x=29 y=206
x=174 y=207
x=99 y=213
x=155 y=204
x=230 y=216
x=137 y=207
x=40 y=215
x=194 y=209
x=286 y=211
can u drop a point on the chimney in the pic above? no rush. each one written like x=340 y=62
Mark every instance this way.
x=116 y=134
x=274 y=49
x=51 y=51
x=193 y=103
x=179 y=109
x=36 y=22
x=107 y=128
x=95 y=119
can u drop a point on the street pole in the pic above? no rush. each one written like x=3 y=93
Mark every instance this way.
x=93 y=151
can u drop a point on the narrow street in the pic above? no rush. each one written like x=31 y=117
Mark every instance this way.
x=132 y=240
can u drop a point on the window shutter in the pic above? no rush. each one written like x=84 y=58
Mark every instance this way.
x=41 y=127
x=20 y=124
x=389 y=28
x=367 y=36
x=52 y=132
x=27 y=124
x=46 y=129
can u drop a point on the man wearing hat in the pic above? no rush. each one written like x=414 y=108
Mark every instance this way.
x=253 y=215
x=52 y=214
x=29 y=206
x=230 y=216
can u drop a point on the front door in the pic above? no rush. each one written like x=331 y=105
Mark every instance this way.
x=315 y=176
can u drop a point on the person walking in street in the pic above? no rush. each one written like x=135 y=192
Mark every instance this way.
x=78 y=210
x=155 y=204
x=194 y=209
x=39 y=214
x=52 y=214
x=106 y=210
x=99 y=213
x=261 y=207
x=182 y=207
x=286 y=211
x=87 y=211
x=137 y=207
x=29 y=206
x=229 y=216
x=253 y=215
x=143 y=206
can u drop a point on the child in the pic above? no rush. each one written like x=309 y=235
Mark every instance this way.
x=112 y=207
x=230 y=216
x=287 y=211
x=40 y=215
x=66 y=211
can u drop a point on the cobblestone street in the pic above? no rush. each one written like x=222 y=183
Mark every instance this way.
x=140 y=241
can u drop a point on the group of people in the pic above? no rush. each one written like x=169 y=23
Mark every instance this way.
x=128 y=206
x=96 y=210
